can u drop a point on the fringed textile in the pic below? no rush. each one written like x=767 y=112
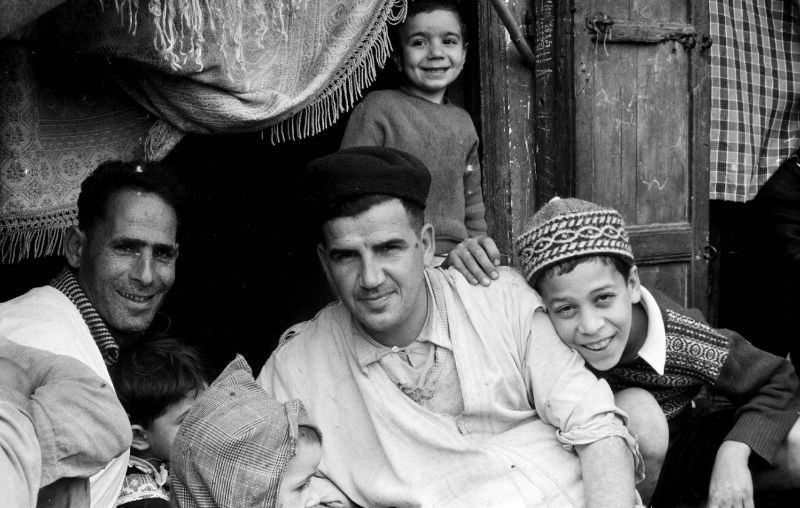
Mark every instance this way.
x=57 y=123
x=287 y=68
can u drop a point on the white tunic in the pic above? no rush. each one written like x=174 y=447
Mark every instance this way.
x=527 y=399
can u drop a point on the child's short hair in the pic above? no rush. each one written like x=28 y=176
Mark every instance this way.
x=417 y=6
x=622 y=265
x=570 y=229
x=153 y=374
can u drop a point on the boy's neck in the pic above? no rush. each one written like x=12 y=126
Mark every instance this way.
x=437 y=98
x=638 y=334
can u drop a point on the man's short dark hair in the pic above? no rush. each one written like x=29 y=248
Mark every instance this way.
x=112 y=177
x=155 y=373
x=355 y=206
x=418 y=6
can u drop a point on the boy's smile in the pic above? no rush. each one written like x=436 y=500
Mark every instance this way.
x=432 y=53
x=591 y=309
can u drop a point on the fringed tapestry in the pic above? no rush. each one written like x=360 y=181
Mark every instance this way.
x=287 y=68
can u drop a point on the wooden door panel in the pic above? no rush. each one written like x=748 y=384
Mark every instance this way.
x=641 y=129
x=662 y=126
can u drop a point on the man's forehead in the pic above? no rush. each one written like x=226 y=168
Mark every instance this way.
x=140 y=215
x=380 y=223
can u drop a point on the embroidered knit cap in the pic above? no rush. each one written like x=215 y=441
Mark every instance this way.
x=364 y=170
x=569 y=228
x=233 y=446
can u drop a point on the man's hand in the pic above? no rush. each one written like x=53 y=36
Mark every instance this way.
x=329 y=494
x=731 y=481
x=476 y=258
x=14 y=377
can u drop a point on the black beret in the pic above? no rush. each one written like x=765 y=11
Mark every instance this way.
x=364 y=170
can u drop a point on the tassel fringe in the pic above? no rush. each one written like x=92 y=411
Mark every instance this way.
x=345 y=87
x=42 y=235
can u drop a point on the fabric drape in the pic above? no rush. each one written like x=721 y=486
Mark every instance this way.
x=287 y=68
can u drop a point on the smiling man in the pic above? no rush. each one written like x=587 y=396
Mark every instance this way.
x=430 y=391
x=121 y=264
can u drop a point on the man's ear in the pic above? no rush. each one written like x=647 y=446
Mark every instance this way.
x=141 y=438
x=74 y=245
x=428 y=238
x=323 y=261
x=634 y=285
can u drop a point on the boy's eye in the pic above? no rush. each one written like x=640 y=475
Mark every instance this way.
x=417 y=42
x=565 y=311
x=451 y=41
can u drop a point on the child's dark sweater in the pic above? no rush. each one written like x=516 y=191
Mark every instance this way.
x=762 y=386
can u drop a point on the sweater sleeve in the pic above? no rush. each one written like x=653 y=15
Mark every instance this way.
x=765 y=387
x=474 y=210
x=363 y=128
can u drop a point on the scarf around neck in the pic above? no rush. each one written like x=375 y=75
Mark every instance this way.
x=67 y=283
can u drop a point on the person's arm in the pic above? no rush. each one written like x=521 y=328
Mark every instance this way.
x=581 y=407
x=476 y=257
x=474 y=209
x=607 y=469
x=80 y=424
x=20 y=457
x=765 y=387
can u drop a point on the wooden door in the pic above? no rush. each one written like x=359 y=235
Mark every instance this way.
x=642 y=96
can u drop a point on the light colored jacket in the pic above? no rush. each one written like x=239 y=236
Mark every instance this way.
x=84 y=433
x=528 y=400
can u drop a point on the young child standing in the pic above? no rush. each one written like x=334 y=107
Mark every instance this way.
x=430 y=49
x=157 y=382
x=577 y=255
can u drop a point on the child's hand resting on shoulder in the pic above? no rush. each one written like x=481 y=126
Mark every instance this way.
x=476 y=258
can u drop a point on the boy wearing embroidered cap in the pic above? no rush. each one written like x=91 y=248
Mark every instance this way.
x=578 y=256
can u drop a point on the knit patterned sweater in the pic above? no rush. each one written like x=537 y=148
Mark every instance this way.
x=444 y=138
x=762 y=386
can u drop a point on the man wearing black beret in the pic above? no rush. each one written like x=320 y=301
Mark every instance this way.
x=430 y=391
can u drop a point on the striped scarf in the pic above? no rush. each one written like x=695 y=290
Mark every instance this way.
x=68 y=284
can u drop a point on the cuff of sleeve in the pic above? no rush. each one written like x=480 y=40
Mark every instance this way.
x=608 y=425
x=763 y=436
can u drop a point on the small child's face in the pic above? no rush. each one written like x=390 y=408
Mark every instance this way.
x=432 y=53
x=591 y=310
x=295 y=487
x=162 y=431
